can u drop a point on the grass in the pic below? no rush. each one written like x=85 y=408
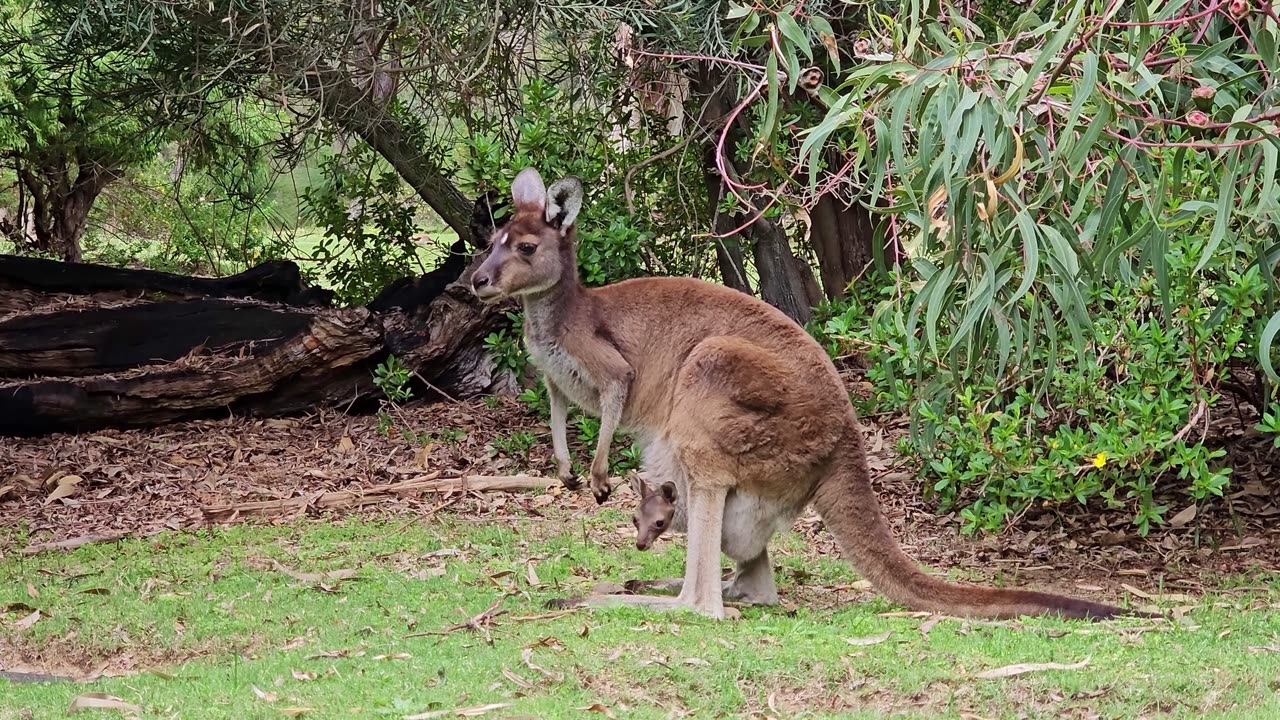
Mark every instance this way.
x=213 y=619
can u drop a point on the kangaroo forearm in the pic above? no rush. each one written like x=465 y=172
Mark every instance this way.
x=559 y=427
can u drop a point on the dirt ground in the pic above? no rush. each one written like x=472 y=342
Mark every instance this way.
x=135 y=483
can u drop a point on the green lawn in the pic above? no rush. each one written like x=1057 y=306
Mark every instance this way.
x=216 y=630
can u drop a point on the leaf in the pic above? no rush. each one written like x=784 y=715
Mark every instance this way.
x=1135 y=591
x=1023 y=668
x=32 y=592
x=27 y=622
x=532 y=576
x=264 y=696
x=345 y=445
x=1264 y=346
x=302 y=676
x=792 y=31
x=66 y=487
x=294 y=711
x=597 y=708
x=514 y=678
x=1187 y=515
x=464 y=712
x=869 y=640
x=330 y=576
x=102 y=701
x=696 y=661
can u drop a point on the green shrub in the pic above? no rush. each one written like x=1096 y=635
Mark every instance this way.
x=1117 y=418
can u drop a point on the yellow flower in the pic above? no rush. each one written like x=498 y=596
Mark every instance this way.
x=1100 y=460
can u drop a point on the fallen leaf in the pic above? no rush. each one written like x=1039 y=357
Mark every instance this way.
x=330 y=576
x=422 y=457
x=1135 y=591
x=26 y=622
x=1023 y=668
x=464 y=712
x=696 y=661
x=1185 y=516
x=264 y=696
x=584 y=632
x=396 y=656
x=516 y=679
x=32 y=592
x=345 y=445
x=294 y=711
x=597 y=708
x=303 y=676
x=66 y=487
x=532 y=576
x=1249 y=542
x=870 y=640
x=5 y=490
x=930 y=624
x=971 y=716
x=527 y=657
x=607 y=588
x=102 y=701
x=94 y=591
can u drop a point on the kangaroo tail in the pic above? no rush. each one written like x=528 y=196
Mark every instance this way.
x=851 y=510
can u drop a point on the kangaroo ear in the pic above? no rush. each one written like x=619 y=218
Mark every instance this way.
x=640 y=487
x=668 y=490
x=564 y=200
x=528 y=190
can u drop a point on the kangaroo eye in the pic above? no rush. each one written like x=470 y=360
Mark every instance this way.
x=526 y=249
x=660 y=524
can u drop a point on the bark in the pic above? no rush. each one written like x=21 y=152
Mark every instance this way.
x=843 y=237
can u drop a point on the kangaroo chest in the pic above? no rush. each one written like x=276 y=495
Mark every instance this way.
x=564 y=370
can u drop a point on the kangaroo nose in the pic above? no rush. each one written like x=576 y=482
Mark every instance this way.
x=479 y=281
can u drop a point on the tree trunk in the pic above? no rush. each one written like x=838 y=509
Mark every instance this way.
x=139 y=363
x=785 y=282
x=359 y=113
x=843 y=237
x=60 y=205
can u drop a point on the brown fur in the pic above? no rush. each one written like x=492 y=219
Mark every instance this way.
x=731 y=401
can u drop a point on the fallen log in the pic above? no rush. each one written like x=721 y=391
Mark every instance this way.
x=77 y=365
x=278 y=281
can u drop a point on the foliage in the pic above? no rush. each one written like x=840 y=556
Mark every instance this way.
x=562 y=138
x=369 y=219
x=1085 y=207
x=1114 y=419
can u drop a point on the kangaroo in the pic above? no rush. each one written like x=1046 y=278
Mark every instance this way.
x=729 y=399
x=654 y=514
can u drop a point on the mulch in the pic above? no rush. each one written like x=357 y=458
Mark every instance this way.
x=140 y=482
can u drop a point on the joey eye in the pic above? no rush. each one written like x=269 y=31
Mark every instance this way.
x=660 y=524
x=526 y=249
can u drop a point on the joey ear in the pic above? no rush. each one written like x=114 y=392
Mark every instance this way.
x=564 y=200
x=668 y=490
x=528 y=191
x=640 y=487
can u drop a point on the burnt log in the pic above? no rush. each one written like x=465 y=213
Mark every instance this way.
x=278 y=281
x=85 y=347
x=271 y=360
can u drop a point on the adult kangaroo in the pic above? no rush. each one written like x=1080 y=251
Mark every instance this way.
x=730 y=400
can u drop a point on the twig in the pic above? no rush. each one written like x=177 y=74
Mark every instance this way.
x=479 y=622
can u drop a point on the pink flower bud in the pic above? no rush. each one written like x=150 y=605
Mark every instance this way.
x=1198 y=118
